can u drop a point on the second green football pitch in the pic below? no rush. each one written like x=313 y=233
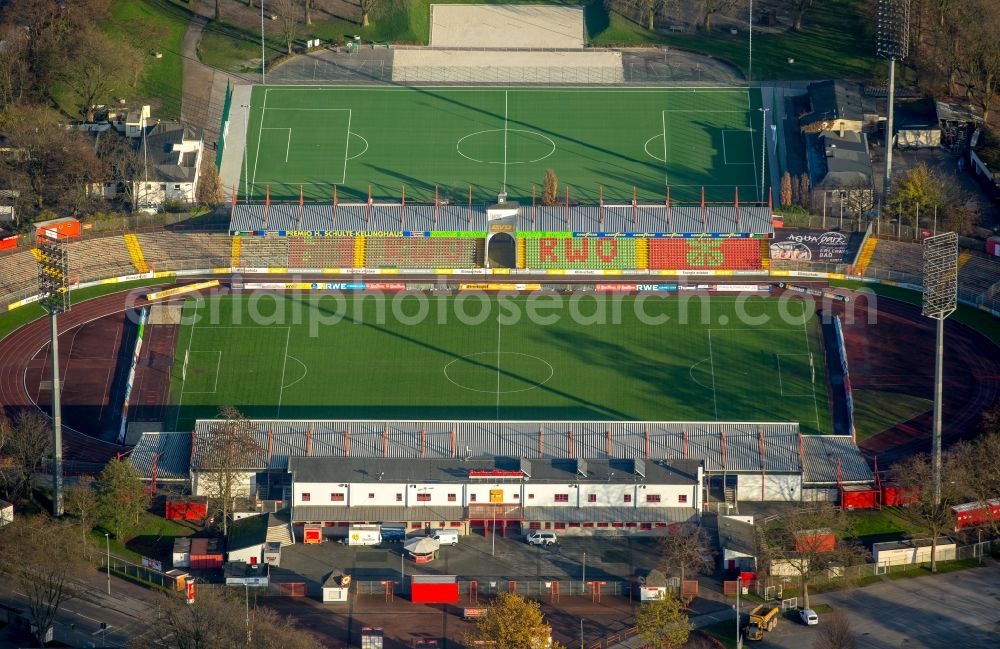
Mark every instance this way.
x=502 y=358
x=308 y=139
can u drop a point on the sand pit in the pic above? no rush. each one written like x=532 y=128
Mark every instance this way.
x=543 y=26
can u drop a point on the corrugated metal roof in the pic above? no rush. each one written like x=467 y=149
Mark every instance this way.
x=557 y=440
x=171 y=450
x=611 y=514
x=822 y=453
x=393 y=217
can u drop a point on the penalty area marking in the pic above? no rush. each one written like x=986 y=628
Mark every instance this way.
x=288 y=144
x=781 y=384
x=691 y=374
x=497 y=354
x=218 y=368
x=363 y=151
x=305 y=371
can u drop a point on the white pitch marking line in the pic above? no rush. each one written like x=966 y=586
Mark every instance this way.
x=305 y=371
x=288 y=144
x=805 y=330
x=284 y=366
x=753 y=149
x=260 y=130
x=347 y=146
x=666 y=175
x=711 y=360
x=194 y=323
x=218 y=369
x=504 y=148
x=780 y=382
x=498 y=367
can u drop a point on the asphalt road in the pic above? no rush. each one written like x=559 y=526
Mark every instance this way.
x=958 y=610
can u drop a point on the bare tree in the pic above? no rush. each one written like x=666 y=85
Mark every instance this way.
x=799 y=8
x=709 y=8
x=977 y=472
x=48 y=557
x=124 y=163
x=26 y=443
x=102 y=67
x=307 y=5
x=809 y=542
x=230 y=453
x=805 y=194
x=927 y=517
x=980 y=25
x=835 y=633
x=367 y=7
x=550 y=188
x=210 y=189
x=288 y=22
x=686 y=550
x=81 y=502
x=786 y=190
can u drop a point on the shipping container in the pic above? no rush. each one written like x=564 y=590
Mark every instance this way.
x=894 y=495
x=821 y=540
x=434 y=589
x=8 y=240
x=312 y=534
x=178 y=578
x=189 y=508
x=976 y=514
x=897 y=553
x=182 y=553
x=63 y=228
x=393 y=533
x=364 y=535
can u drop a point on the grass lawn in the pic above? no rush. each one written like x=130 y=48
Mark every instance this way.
x=981 y=321
x=13 y=320
x=153 y=538
x=618 y=139
x=154 y=26
x=877 y=523
x=877 y=410
x=724 y=632
x=443 y=368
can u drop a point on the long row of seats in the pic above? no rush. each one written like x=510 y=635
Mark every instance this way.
x=264 y=252
x=419 y=252
x=705 y=254
x=320 y=252
x=596 y=253
x=980 y=273
x=18 y=273
x=898 y=256
x=185 y=250
x=91 y=259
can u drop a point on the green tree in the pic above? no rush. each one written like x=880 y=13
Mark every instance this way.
x=918 y=186
x=550 y=188
x=122 y=498
x=663 y=624
x=513 y=622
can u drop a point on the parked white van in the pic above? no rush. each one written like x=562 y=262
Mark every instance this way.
x=446 y=537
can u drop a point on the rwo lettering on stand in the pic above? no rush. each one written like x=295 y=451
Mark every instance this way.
x=577 y=250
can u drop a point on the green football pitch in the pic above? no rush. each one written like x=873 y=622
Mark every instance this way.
x=312 y=138
x=528 y=358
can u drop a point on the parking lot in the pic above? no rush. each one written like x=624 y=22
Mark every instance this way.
x=485 y=559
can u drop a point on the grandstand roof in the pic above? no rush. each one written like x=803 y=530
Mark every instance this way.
x=172 y=452
x=385 y=217
x=731 y=447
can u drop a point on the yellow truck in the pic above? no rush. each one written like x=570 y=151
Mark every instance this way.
x=762 y=618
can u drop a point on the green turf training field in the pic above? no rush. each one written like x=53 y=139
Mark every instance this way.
x=318 y=137
x=585 y=363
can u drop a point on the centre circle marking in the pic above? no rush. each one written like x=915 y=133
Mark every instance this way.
x=458 y=147
x=552 y=372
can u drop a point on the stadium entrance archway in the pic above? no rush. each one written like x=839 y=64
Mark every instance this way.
x=501 y=251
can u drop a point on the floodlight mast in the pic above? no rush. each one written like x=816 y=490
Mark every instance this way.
x=53 y=287
x=893 y=43
x=939 y=302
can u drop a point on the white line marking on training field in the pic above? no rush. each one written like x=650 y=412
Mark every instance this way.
x=341 y=109
x=504 y=152
x=552 y=372
x=753 y=149
x=781 y=386
x=256 y=157
x=347 y=146
x=284 y=366
x=305 y=371
x=646 y=147
x=363 y=151
x=691 y=373
x=711 y=360
x=666 y=176
x=498 y=367
x=194 y=323
x=458 y=147
x=805 y=330
x=288 y=144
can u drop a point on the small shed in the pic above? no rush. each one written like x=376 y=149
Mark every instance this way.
x=653 y=586
x=336 y=588
x=8 y=240
x=858 y=497
x=738 y=542
x=182 y=552
x=206 y=554
x=434 y=589
x=916 y=124
x=820 y=540
x=240 y=573
x=178 y=578
x=63 y=228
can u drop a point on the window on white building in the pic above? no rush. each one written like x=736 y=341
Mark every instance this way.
x=399 y=498
x=627 y=498
x=682 y=498
x=472 y=498
x=452 y=498
x=562 y=498
x=652 y=498
x=337 y=497
x=423 y=498
x=306 y=497
x=591 y=498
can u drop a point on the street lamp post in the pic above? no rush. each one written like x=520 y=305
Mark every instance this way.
x=739 y=587
x=107 y=543
x=763 y=150
x=246 y=159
